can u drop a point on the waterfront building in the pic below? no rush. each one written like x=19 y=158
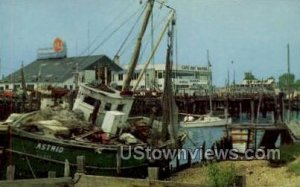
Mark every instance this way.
x=53 y=68
x=187 y=79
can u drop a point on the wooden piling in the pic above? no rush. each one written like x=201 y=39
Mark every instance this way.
x=119 y=160
x=241 y=112
x=51 y=174
x=272 y=116
x=153 y=173
x=252 y=111
x=177 y=160
x=10 y=172
x=203 y=153
x=67 y=168
x=80 y=164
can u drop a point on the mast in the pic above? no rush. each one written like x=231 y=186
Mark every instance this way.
x=136 y=53
x=209 y=84
x=0 y=70
x=289 y=83
x=170 y=18
x=24 y=93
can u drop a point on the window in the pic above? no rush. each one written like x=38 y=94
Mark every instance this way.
x=71 y=87
x=16 y=87
x=1 y=88
x=107 y=106
x=65 y=86
x=120 y=107
x=30 y=86
x=135 y=76
x=89 y=100
x=6 y=87
x=160 y=75
x=120 y=77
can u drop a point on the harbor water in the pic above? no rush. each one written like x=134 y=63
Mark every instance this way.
x=197 y=136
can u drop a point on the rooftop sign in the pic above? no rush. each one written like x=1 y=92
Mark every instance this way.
x=58 y=50
x=58 y=45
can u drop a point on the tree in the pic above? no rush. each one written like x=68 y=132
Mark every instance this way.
x=249 y=76
x=297 y=85
x=286 y=79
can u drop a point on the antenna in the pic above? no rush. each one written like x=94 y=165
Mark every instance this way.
x=208 y=61
x=233 y=77
x=88 y=49
x=76 y=48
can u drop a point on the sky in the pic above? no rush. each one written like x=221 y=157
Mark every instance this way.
x=252 y=33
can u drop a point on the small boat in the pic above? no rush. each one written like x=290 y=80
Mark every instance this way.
x=208 y=120
x=204 y=121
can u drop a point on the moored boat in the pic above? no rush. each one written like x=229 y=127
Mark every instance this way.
x=204 y=121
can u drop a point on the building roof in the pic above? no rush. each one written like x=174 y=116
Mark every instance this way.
x=59 y=70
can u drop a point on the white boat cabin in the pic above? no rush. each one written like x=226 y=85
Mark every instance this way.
x=95 y=103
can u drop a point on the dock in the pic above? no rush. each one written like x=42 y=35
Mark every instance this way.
x=257 y=126
x=294 y=128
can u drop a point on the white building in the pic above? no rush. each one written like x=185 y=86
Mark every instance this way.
x=186 y=78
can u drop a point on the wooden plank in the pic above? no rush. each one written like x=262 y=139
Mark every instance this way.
x=45 y=182
x=257 y=127
x=91 y=180
x=294 y=127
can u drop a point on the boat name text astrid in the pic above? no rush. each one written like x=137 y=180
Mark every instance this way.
x=49 y=147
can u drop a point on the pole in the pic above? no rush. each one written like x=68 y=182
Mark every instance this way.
x=0 y=70
x=76 y=76
x=136 y=53
x=155 y=48
x=210 y=84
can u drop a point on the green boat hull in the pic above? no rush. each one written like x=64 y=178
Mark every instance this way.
x=34 y=158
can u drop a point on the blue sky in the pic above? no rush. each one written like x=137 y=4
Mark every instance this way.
x=252 y=33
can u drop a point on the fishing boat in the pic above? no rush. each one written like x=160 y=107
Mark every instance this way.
x=44 y=140
x=98 y=128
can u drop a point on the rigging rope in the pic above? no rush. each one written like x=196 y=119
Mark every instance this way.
x=147 y=37
x=106 y=28
x=103 y=41
x=117 y=29
x=130 y=31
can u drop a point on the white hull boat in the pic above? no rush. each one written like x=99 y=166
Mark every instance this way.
x=205 y=121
